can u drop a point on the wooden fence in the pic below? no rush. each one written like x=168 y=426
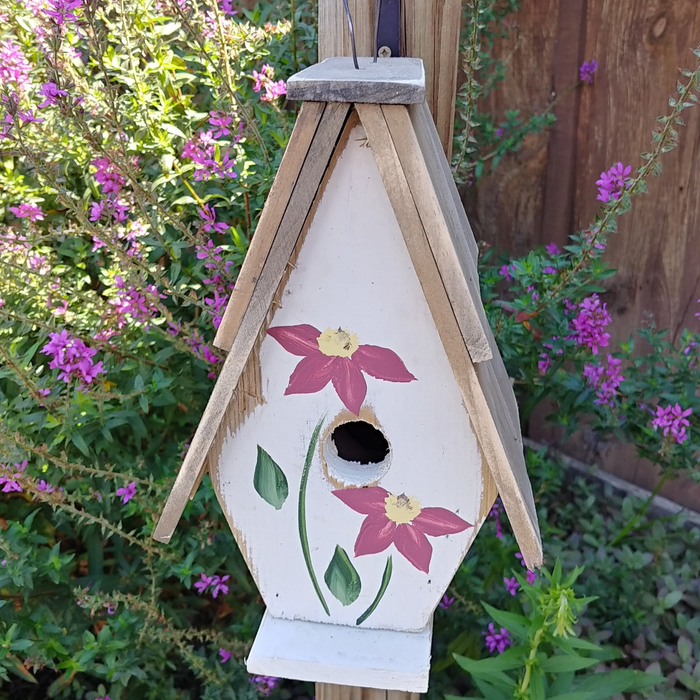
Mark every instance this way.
x=547 y=190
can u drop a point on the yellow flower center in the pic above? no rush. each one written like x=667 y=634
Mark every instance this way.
x=401 y=509
x=337 y=343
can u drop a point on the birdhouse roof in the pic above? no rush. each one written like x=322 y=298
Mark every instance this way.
x=425 y=201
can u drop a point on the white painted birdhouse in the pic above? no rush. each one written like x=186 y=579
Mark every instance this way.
x=363 y=421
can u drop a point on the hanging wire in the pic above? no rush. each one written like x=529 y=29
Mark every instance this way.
x=377 y=10
x=352 y=34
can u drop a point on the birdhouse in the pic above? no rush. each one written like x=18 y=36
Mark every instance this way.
x=363 y=421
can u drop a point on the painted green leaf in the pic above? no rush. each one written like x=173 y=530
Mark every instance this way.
x=342 y=578
x=269 y=480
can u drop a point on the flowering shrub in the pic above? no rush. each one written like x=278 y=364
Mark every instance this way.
x=139 y=141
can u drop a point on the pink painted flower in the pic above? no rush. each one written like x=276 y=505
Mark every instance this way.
x=225 y=655
x=127 y=492
x=336 y=356
x=612 y=182
x=399 y=520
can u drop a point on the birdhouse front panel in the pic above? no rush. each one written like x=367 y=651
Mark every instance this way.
x=355 y=489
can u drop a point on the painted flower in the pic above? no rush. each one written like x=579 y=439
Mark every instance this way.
x=399 y=520
x=336 y=356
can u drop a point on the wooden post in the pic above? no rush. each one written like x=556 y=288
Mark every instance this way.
x=328 y=691
x=430 y=31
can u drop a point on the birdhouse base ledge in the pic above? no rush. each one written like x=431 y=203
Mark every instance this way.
x=343 y=655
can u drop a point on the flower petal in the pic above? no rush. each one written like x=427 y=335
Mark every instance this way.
x=376 y=534
x=381 y=363
x=349 y=383
x=368 y=501
x=299 y=340
x=439 y=521
x=311 y=375
x=414 y=545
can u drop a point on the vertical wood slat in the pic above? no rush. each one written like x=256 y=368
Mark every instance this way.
x=430 y=31
x=328 y=691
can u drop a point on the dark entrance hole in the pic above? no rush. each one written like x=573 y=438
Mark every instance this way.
x=361 y=442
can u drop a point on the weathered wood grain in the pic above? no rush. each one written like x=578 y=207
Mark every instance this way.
x=430 y=31
x=275 y=206
x=396 y=81
x=308 y=182
x=328 y=691
x=493 y=413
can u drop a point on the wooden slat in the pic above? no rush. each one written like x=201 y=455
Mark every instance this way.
x=275 y=206
x=490 y=412
x=315 y=164
x=430 y=31
x=459 y=274
x=329 y=691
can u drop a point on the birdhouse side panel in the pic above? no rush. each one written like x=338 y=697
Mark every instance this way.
x=356 y=488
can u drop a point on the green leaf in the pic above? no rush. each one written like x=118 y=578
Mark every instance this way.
x=269 y=480
x=602 y=686
x=79 y=441
x=507 y=661
x=576 y=695
x=564 y=664
x=342 y=578
x=516 y=624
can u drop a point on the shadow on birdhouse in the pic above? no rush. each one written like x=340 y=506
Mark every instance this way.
x=363 y=422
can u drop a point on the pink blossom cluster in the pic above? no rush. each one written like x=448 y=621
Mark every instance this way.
x=10 y=476
x=115 y=202
x=673 y=420
x=589 y=325
x=139 y=304
x=216 y=583
x=62 y=11
x=264 y=80
x=14 y=66
x=264 y=684
x=605 y=380
x=72 y=357
x=28 y=211
x=612 y=182
x=497 y=641
x=202 y=148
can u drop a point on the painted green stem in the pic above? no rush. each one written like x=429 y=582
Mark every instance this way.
x=303 y=536
x=380 y=593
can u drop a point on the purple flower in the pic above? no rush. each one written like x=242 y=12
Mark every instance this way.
x=549 y=270
x=72 y=357
x=45 y=486
x=219 y=586
x=204 y=583
x=612 y=183
x=225 y=655
x=497 y=641
x=209 y=216
x=61 y=11
x=673 y=420
x=127 y=492
x=14 y=66
x=552 y=249
x=590 y=322
x=494 y=514
x=10 y=476
x=512 y=585
x=446 y=601
x=107 y=176
x=264 y=684
x=111 y=608
x=51 y=92
x=96 y=209
x=531 y=576
x=264 y=80
x=506 y=271
x=606 y=380
x=544 y=363
x=28 y=211
x=587 y=71
x=221 y=121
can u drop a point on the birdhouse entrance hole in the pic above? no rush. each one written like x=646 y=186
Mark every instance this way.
x=356 y=452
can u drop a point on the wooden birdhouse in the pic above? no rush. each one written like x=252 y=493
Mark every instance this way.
x=363 y=422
